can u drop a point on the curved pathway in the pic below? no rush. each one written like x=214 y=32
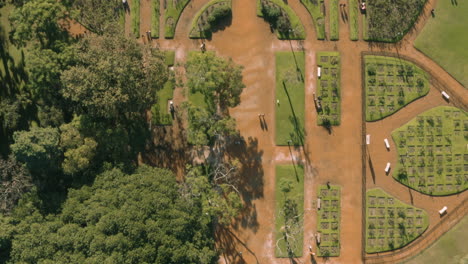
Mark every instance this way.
x=335 y=157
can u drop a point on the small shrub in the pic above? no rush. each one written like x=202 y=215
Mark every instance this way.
x=219 y=13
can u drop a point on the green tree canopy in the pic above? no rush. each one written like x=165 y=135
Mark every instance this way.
x=137 y=218
x=218 y=79
x=38 y=148
x=38 y=20
x=15 y=180
x=114 y=77
x=98 y=16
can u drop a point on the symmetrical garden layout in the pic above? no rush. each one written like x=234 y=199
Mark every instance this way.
x=433 y=154
x=328 y=220
x=290 y=98
x=391 y=83
x=329 y=88
x=289 y=216
x=390 y=223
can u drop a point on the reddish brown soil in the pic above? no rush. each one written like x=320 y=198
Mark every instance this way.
x=334 y=157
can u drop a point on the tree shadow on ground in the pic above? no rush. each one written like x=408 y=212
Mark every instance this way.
x=221 y=25
x=251 y=182
x=226 y=243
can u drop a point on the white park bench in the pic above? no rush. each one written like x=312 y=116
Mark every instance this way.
x=387 y=169
x=445 y=95
x=368 y=139
x=387 y=145
x=443 y=210
x=319 y=71
x=318 y=203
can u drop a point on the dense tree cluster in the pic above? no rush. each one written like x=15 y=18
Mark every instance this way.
x=72 y=121
x=389 y=21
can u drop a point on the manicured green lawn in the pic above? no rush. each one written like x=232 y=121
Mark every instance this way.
x=297 y=29
x=198 y=29
x=391 y=83
x=390 y=223
x=155 y=18
x=290 y=93
x=289 y=216
x=334 y=20
x=160 y=111
x=354 y=14
x=135 y=18
x=328 y=221
x=315 y=11
x=450 y=248
x=172 y=15
x=329 y=88
x=432 y=151
x=444 y=38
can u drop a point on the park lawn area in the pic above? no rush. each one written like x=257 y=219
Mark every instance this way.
x=297 y=29
x=328 y=221
x=450 y=248
x=354 y=14
x=135 y=18
x=432 y=151
x=315 y=11
x=160 y=110
x=390 y=223
x=289 y=202
x=200 y=27
x=334 y=20
x=329 y=88
x=171 y=16
x=155 y=18
x=444 y=39
x=391 y=83
x=290 y=92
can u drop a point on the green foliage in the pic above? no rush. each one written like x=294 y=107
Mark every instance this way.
x=78 y=150
x=214 y=11
x=98 y=16
x=155 y=13
x=218 y=79
x=390 y=223
x=135 y=18
x=37 y=148
x=289 y=210
x=388 y=21
x=114 y=77
x=431 y=149
x=38 y=20
x=334 y=20
x=353 y=20
x=290 y=26
x=328 y=220
x=329 y=89
x=290 y=68
x=137 y=218
x=392 y=82
x=315 y=10
x=171 y=16
x=441 y=37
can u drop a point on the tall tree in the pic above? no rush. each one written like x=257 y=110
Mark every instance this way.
x=38 y=148
x=38 y=20
x=114 y=77
x=137 y=218
x=218 y=79
x=98 y=16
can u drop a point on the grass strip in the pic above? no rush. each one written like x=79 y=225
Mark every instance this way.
x=354 y=14
x=155 y=18
x=290 y=94
x=171 y=16
x=315 y=11
x=334 y=20
x=135 y=18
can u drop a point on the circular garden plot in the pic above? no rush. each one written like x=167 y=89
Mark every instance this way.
x=391 y=83
x=432 y=149
x=390 y=223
